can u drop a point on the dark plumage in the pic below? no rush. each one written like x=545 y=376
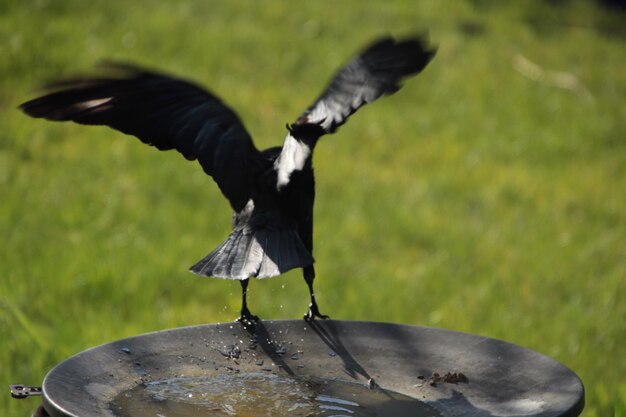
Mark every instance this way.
x=272 y=191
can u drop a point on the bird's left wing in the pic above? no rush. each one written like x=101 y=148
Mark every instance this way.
x=164 y=112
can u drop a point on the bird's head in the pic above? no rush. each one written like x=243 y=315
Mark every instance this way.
x=307 y=133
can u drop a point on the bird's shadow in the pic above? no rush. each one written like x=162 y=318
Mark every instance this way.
x=261 y=338
x=328 y=333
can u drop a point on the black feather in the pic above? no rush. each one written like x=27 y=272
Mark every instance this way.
x=164 y=112
x=378 y=70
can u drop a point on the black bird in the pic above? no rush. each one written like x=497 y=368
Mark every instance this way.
x=271 y=191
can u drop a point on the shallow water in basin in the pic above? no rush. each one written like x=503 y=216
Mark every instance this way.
x=263 y=395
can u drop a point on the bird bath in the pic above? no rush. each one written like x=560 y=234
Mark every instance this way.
x=324 y=368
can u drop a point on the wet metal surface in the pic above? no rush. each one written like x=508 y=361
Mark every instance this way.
x=455 y=373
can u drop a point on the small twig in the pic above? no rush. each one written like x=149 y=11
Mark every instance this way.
x=559 y=79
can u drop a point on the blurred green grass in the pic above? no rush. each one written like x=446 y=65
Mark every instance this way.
x=485 y=197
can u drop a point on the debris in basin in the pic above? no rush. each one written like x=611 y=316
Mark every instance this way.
x=371 y=383
x=448 y=377
x=231 y=352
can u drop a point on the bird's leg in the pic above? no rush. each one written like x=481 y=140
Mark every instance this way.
x=246 y=318
x=314 y=312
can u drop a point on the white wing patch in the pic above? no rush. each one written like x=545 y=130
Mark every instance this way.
x=89 y=104
x=292 y=158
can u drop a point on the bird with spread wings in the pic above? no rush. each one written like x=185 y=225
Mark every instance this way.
x=272 y=191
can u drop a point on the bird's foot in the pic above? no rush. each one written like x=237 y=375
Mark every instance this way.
x=314 y=313
x=247 y=319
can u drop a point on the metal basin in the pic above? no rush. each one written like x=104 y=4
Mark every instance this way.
x=455 y=373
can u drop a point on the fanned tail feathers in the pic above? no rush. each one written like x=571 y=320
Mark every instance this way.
x=262 y=254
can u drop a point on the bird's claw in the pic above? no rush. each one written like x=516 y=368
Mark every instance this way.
x=247 y=319
x=314 y=313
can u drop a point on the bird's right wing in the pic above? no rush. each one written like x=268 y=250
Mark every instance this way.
x=377 y=71
x=164 y=112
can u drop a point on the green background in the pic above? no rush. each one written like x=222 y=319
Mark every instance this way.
x=488 y=196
